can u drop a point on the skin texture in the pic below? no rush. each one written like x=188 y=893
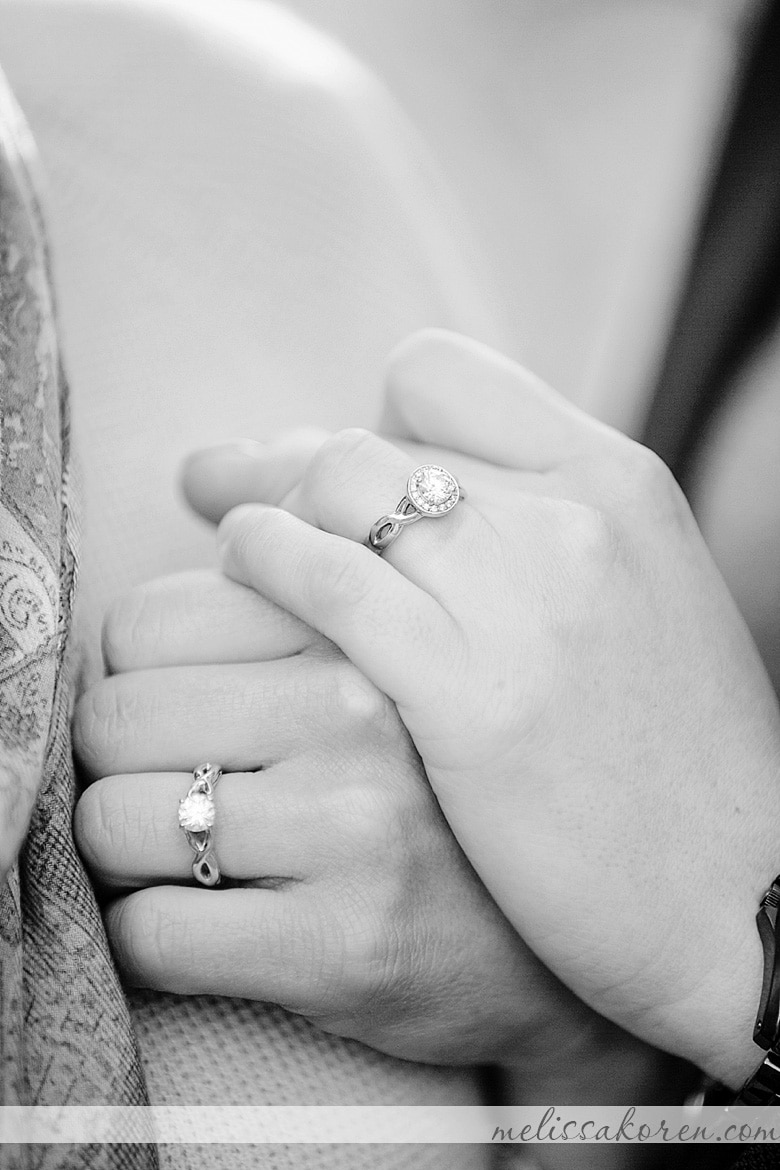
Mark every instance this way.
x=590 y=710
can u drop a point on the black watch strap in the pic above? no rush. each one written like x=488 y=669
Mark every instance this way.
x=763 y=1088
x=767 y=1030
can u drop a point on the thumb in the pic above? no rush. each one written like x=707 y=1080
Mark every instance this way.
x=448 y=390
x=219 y=478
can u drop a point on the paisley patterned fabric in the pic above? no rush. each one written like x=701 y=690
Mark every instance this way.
x=64 y=1028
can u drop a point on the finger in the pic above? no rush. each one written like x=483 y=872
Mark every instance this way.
x=449 y=390
x=253 y=944
x=383 y=622
x=267 y=826
x=244 y=716
x=218 y=478
x=355 y=479
x=197 y=618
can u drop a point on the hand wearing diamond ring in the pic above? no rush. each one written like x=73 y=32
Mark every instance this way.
x=344 y=896
x=582 y=691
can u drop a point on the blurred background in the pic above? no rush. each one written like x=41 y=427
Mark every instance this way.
x=251 y=203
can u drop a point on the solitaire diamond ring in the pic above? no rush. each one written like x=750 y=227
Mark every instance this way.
x=197 y=814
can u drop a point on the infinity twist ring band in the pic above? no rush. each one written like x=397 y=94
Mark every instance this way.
x=197 y=814
x=431 y=491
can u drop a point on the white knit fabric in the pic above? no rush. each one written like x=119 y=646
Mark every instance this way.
x=235 y=1052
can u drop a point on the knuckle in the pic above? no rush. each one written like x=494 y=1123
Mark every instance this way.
x=146 y=933
x=367 y=945
x=646 y=485
x=311 y=943
x=166 y=933
x=346 y=444
x=111 y=826
x=589 y=548
x=102 y=719
x=88 y=726
x=339 y=459
x=247 y=533
x=647 y=472
x=647 y=465
x=356 y=703
x=132 y=629
x=375 y=817
x=381 y=968
x=364 y=813
x=90 y=827
x=349 y=586
x=591 y=536
x=377 y=953
x=358 y=968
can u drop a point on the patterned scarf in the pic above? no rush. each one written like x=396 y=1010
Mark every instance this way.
x=66 y=1037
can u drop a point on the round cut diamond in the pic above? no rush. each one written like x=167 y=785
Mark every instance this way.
x=196 y=812
x=433 y=490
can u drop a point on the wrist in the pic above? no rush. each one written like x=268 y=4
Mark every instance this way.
x=714 y=1025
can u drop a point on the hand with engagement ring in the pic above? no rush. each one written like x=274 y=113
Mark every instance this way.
x=590 y=710
x=343 y=894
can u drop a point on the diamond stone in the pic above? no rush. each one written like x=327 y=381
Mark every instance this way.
x=196 y=812
x=433 y=490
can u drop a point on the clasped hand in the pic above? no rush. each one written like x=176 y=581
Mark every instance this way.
x=589 y=709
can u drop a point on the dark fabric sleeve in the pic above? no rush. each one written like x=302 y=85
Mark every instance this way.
x=759 y=1158
x=732 y=292
x=731 y=297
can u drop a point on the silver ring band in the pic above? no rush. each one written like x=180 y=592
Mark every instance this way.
x=431 y=491
x=197 y=814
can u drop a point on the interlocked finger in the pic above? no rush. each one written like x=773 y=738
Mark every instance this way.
x=361 y=487
x=197 y=618
x=246 y=716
